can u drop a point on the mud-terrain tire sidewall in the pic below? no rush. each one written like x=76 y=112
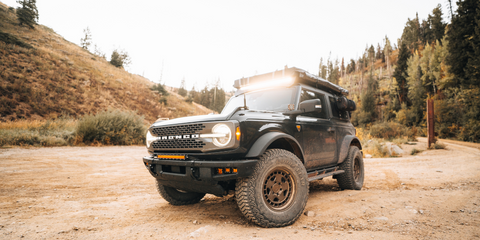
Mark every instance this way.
x=347 y=179
x=250 y=191
x=176 y=197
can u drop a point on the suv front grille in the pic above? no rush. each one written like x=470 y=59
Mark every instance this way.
x=178 y=130
x=178 y=143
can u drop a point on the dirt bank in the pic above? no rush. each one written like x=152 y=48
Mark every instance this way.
x=106 y=193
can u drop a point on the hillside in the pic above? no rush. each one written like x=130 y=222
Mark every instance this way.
x=44 y=76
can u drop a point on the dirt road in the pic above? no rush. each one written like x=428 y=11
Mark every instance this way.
x=106 y=193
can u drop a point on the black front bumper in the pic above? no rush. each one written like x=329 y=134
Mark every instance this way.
x=197 y=175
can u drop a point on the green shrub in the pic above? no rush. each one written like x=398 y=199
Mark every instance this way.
x=470 y=131
x=438 y=145
x=390 y=130
x=111 y=127
x=25 y=137
x=160 y=88
x=415 y=151
x=163 y=100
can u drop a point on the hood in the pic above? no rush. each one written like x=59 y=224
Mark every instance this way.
x=193 y=119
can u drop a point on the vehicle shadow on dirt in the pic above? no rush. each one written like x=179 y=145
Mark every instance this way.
x=324 y=185
x=219 y=210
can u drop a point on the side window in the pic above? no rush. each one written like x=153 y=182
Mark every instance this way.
x=335 y=112
x=307 y=95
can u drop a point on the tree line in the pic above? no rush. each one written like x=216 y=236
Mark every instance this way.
x=433 y=59
x=212 y=98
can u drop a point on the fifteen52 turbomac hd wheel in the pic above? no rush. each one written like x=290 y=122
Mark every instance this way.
x=178 y=197
x=354 y=173
x=277 y=192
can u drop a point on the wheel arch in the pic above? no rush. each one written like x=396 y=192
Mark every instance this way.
x=349 y=140
x=275 y=140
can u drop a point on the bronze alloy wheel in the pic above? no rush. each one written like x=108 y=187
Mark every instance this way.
x=356 y=170
x=353 y=168
x=279 y=189
x=276 y=193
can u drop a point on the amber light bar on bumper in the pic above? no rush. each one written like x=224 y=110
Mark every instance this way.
x=220 y=171
x=181 y=157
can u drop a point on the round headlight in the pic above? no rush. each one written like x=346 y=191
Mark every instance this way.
x=150 y=139
x=225 y=131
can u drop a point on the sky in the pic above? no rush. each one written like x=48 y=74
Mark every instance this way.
x=208 y=41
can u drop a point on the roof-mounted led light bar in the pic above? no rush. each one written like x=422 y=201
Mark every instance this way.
x=287 y=77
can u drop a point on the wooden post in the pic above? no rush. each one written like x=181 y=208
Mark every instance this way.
x=430 y=122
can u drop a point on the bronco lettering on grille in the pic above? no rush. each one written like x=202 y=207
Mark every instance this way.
x=187 y=136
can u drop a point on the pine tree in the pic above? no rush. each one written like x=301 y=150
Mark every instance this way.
x=387 y=49
x=182 y=91
x=367 y=110
x=411 y=33
x=120 y=58
x=460 y=35
x=472 y=70
x=416 y=91
x=371 y=55
x=322 y=69
x=437 y=24
x=86 y=41
x=428 y=78
x=28 y=13
x=400 y=73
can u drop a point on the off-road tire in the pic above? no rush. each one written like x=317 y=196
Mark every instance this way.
x=354 y=173
x=276 y=193
x=176 y=197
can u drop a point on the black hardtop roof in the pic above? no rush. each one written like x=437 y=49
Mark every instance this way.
x=299 y=75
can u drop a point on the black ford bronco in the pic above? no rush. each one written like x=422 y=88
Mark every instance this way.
x=279 y=131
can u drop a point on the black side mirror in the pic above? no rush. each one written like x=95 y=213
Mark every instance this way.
x=307 y=106
x=312 y=105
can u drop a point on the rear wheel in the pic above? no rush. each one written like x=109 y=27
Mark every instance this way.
x=178 y=197
x=354 y=173
x=276 y=193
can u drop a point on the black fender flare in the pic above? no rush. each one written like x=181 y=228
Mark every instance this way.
x=346 y=143
x=262 y=143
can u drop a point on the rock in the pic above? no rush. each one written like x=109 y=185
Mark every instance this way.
x=195 y=222
x=309 y=214
x=440 y=171
x=119 y=80
x=200 y=231
x=382 y=218
x=368 y=156
x=393 y=149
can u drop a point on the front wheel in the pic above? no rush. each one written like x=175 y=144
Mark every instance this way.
x=354 y=173
x=178 y=197
x=276 y=193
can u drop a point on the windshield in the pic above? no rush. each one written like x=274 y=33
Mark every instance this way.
x=267 y=100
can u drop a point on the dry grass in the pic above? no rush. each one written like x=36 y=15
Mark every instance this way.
x=35 y=124
x=59 y=132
